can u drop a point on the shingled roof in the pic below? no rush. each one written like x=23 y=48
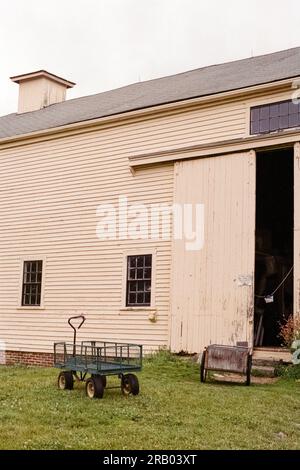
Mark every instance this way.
x=195 y=83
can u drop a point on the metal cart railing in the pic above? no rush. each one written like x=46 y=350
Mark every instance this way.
x=98 y=359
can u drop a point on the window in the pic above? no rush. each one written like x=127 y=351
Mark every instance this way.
x=274 y=117
x=32 y=283
x=138 y=288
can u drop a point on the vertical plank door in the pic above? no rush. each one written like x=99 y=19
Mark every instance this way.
x=213 y=288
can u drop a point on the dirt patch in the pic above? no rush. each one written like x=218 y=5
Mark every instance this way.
x=236 y=378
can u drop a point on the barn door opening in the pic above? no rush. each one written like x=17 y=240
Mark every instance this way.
x=274 y=244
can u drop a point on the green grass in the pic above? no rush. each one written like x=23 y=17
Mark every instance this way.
x=173 y=411
x=289 y=372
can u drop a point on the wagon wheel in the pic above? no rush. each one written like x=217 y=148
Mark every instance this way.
x=103 y=378
x=203 y=371
x=65 y=380
x=94 y=387
x=130 y=384
x=248 y=372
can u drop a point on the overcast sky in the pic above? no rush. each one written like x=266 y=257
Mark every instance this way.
x=105 y=44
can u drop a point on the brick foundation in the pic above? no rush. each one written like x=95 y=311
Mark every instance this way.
x=29 y=358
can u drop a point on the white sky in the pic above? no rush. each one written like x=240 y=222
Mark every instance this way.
x=105 y=44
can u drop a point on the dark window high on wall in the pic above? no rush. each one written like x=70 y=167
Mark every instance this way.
x=274 y=117
x=139 y=270
x=32 y=283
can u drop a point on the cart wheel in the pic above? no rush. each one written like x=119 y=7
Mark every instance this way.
x=94 y=387
x=130 y=384
x=203 y=371
x=103 y=378
x=249 y=366
x=65 y=380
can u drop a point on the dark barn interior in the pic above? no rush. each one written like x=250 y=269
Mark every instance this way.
x=274 y=244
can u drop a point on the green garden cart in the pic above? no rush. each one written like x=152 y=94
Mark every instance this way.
x=93 y=361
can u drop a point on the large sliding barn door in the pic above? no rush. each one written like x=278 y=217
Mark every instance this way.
x=212 y=289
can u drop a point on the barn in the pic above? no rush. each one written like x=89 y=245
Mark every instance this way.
x=99 y=200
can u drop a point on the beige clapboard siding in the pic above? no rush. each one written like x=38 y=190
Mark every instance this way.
x=160 y=130
x=208 y=305
x=65 y=234
x=49 y=192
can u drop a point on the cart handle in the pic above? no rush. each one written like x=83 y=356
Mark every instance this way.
x=74 y=328
x=73 y=318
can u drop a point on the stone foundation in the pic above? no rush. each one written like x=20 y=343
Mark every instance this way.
x=29 y=358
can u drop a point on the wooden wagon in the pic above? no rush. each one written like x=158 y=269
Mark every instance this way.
x=218 y=357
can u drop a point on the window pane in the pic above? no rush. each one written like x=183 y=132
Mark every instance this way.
x=274 y=110
x=255 y=127
x=264 y=112
x=132 y=286
x=274 y=124
x=293 y=120
x=147 y=298
x=140 y=261
x=132 y=298
x=255 y=114
x=284 y=122
x=148 y=261
x=284 y=109
x=132 y=273
x=147 y=286
x=132 y=261
x=139 y=273
x=293 y=108
x=141 y=286
x=147 y=273
x=264 y=125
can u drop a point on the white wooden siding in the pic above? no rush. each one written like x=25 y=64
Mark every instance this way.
x=208 y=305
x=49 y=194
x=49 y=191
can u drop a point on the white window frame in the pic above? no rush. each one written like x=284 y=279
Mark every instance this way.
x=137 y=252
x=22 y=260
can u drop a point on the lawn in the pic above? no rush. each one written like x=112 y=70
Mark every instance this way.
x=173 y=411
